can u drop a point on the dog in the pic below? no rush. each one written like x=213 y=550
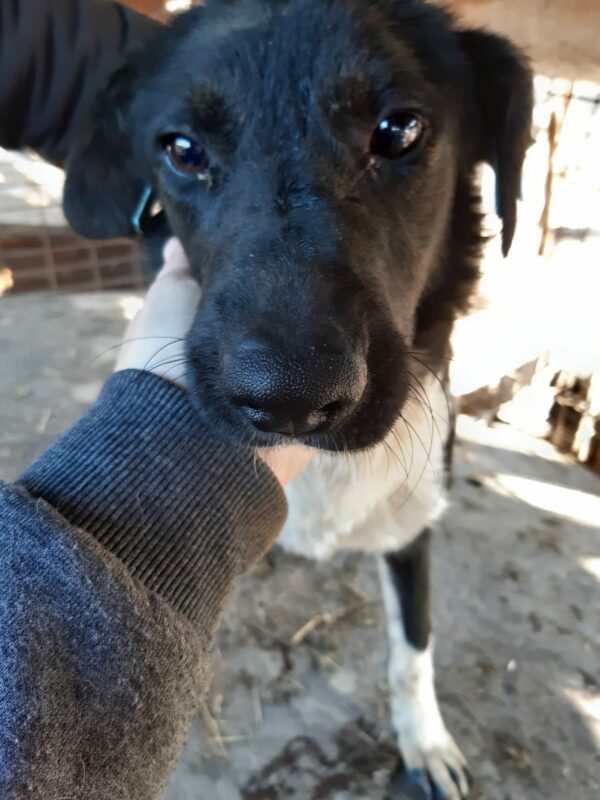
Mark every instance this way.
x=318 y=160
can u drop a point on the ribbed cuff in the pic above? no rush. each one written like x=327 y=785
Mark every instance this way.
x=185 y=511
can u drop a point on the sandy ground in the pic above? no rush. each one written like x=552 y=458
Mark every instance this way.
x=516 y=576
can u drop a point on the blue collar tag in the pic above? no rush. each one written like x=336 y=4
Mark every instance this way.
x=140 y=209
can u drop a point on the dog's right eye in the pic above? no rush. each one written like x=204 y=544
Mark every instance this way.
x=397 y=134
x=184 y=154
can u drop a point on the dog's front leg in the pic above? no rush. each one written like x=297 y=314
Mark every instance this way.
x=431 y=758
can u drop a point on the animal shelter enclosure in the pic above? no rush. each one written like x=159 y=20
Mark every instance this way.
x=299 y=708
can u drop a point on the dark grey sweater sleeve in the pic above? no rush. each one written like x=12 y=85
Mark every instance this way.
x=118 y=548
x=55 y=56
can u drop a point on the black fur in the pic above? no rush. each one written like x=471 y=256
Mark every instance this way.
x=409 y=573
x=335 y=261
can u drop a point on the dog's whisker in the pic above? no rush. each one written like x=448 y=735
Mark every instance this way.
x=165 y=362
x=424 y=393
x=440 y=382
x=422 y=399
x=425 y=404
x=398 y=441
x=129 y=341
x=428 y=460
x=160 y=350
x=426 y=449
x=399 y=455
x=406 y=484
x=411 y=490
x=168 y=373
x=434 y=425
x=416 y=353
x=393 y=456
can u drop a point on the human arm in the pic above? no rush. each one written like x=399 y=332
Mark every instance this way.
x=55 y=56
x=118 y=548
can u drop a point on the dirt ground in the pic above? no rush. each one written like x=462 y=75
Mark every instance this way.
x=304 y=717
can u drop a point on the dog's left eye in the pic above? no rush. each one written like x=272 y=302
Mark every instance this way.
x=397 y=134
x=185 y=154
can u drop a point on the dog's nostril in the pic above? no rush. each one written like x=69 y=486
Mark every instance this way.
x=247 y=406
x=332 y=409
x=290 y=421
x=282 y=422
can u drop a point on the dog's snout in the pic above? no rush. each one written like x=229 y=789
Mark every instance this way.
x=293 y=396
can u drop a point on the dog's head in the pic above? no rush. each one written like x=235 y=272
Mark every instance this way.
x=316 y=159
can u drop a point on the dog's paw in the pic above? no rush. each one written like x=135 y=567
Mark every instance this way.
x=439 y=773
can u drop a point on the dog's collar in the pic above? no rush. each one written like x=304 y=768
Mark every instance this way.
x=146 y=212
x=141 y=207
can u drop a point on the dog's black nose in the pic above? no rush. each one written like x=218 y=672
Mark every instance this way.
x=293 y=396
x=288 y=423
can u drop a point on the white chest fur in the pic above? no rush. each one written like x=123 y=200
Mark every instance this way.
x=377 y=501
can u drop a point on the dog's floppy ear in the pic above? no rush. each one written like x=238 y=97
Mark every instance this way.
x=105 y=177
x=503 y=87
x=103 y=186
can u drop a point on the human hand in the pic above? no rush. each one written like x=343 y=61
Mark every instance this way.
x=287 y=462
x=155 y=339
x=155 y=342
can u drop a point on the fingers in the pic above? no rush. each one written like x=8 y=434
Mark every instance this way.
x=175 y=263
x=287 y=462
x=173 y=249
x=154 y=340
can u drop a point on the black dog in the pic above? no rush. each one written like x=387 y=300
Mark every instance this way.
x=318 y=161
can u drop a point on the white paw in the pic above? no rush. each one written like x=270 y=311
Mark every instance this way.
x=435 y=765
x=430 y=754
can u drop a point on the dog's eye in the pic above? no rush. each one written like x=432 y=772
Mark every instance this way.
x=397 y=134
x=185 y=154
